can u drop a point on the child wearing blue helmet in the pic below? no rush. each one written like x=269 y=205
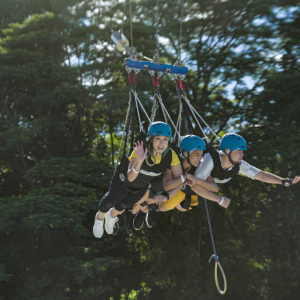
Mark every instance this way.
x=225 y=164
x=191 y=151
x=203 y=185
x=145 y=165
x=156 y=183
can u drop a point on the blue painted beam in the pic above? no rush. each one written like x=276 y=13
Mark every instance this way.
x=145 y=65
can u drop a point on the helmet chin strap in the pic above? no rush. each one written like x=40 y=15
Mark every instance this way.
x=187 y=157
x=231 y=161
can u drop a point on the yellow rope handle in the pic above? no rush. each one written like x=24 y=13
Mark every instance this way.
x=218 y=264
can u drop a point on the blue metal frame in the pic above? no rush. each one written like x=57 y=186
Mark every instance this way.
x=155 y=67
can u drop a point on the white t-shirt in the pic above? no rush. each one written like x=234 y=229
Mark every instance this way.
x=205 y=167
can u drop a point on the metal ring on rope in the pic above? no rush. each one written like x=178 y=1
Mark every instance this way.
x=218 y=264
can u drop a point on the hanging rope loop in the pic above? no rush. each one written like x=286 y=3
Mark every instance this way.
x=215 y=257
x=222 y=292
x=218 y=265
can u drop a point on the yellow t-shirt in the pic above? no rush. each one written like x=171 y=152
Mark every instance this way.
x=175 y=159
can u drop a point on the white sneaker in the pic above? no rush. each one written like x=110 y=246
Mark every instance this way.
x=98 y=227
x=110 y=222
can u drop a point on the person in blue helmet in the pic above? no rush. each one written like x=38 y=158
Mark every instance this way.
x=191 y=151
x=145 y=165
x=225 y=164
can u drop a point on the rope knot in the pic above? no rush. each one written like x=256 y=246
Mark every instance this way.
x=215 y=257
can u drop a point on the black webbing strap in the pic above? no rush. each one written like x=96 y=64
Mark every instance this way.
x=159 y=115
x=186 y=120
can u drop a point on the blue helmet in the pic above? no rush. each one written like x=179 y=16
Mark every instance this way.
x=191 y=142
x=233 y=142
x=160 y=128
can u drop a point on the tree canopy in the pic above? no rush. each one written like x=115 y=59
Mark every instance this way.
x=62 y=109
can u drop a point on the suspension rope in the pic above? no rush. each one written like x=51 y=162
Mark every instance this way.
x=156 y=43
x=162 y=106
x=130 y=23
x=179 y=50
x=153 y=111
x=164 y=109
x=123 y=18
x=141 y=105
x=123 y=134
x=178 y=125
x=215 y=257
x=195 y=112
x=138 y=113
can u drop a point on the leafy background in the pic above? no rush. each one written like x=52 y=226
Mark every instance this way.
x=63 y=103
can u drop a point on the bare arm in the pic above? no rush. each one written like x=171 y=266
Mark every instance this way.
x=202 y=192
x=172 y=178
x=273 y=179
x=268 y=177
x=209 y=184
x=136 y=162
x=172 y=183
x=160 y=198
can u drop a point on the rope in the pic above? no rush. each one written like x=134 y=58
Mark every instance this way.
x=130 y=23
x=156 y=45
x=153 y=111
x=215 y=257
x=205 y=123
x=179 y=51
x=138 y=113
x=194 y=111
x=178 y=125
x=164 y=109
x=123 y=134
x=141 y=105
x=210 y=230
x=123 y=18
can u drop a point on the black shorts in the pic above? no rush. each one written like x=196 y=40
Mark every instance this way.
x=157 y=187
x=118 y=192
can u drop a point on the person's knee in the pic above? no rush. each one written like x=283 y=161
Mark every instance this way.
x=143 y=204
x=121 y=206
x=180 y=208
x=162 y=207
x=105 y=204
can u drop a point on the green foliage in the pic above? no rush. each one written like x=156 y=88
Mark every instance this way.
x=62 y=109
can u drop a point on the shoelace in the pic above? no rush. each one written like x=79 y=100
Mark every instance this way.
x=99 y=224
x=115 y=225
x=113 y=221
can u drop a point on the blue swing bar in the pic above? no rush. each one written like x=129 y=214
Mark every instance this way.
x=145 y=65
